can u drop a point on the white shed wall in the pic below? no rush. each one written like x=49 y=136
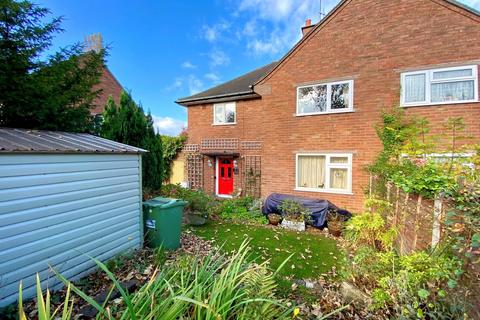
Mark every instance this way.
x=56 y=208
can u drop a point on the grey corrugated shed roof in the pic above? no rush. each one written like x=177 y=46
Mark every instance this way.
x=241 y=86
x=42 y=141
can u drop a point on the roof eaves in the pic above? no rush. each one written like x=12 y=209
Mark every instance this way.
x=227 y=95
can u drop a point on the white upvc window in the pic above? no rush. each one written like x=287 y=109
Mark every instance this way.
x=324 y=172
x=224 y=113
x=324 y=98
x=439 y=86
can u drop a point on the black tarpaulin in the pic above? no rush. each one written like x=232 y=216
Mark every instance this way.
x=317 y=207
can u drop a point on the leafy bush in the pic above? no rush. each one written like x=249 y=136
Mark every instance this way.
x=217 y=287
x=415 y=285
x=199 y=202
x=410 y=286
x=171 y=147
x=369 y=228
x=426 y=178
x=240 y=210
x=293 y=210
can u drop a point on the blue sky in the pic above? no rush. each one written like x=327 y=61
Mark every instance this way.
x=163 y=50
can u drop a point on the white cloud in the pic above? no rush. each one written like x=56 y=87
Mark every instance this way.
x=212 y=77
x=194 y=84
x=213 y=33
x=281 y=21
x=218 y=58
x=191 y=82
x=188 y=65
x=168 y=126
x=250 y=28
x=177 y=84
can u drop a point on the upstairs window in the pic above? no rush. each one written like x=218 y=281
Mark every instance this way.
x=325 y=98
x=224 y=113
x=440 y=86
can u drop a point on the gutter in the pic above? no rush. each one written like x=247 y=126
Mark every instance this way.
x=217 y=98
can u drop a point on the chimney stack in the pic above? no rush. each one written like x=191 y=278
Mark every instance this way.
x=93 y=42
x=308 y=26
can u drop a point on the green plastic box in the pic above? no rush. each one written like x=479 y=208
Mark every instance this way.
x=163 y=222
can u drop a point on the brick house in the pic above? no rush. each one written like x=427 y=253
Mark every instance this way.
x=305 y=125
x=109 y=86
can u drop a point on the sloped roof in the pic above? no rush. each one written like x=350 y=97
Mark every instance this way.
x=43 y=141
x=109 y=86
x=331 y=13
x=240 y=87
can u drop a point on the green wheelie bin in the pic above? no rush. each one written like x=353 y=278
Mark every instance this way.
x=163 y=222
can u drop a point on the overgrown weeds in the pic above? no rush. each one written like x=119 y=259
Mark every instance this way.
x=214 y=287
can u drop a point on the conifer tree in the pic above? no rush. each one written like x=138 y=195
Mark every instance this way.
x=127 y=123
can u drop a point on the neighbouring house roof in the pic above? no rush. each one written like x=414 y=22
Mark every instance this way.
x=236 y=89
x=43 y=141
x=332 y=13
x=109 y=86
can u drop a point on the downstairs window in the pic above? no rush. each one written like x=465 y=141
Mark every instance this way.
x=324 y=172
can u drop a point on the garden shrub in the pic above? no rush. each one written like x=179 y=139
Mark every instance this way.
x=240 y=210
x=214 y=287
x=237 y=210
x=410 y=286
x=416 y=284
x=369 y=228
x=293 y=210
x=199 y=202
x=171 y=147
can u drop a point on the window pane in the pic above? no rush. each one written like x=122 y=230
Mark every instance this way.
x=452 y=74
x=312 y=99
x=415 y=88
x=338 y=159
x=338 y=178
x=340 y=96
x=453 y=91
x=230 y=113
x=311 y=172
x=220 y=113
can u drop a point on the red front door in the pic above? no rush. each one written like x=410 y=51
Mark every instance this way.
x=225 y=176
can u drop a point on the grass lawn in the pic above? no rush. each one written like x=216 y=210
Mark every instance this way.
x=313 y=254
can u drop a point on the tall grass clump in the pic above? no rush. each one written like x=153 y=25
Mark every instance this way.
x=214 y=287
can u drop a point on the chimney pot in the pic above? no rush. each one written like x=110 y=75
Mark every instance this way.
x=308 y=26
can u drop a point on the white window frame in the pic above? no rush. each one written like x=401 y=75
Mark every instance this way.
x=328 y=167
x=329 y=98
x=429 y=81
x=446 y=155
x=224 y=104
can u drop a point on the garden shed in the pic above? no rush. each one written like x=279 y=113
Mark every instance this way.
x=64 y=196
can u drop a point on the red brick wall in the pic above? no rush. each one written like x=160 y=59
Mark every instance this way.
x=249 y=118
x=368 y=41
x=110 y=87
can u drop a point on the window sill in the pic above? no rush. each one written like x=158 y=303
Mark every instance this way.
x=413 y=105
x=321 y=113
x=224 y=124
x=324 y=191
